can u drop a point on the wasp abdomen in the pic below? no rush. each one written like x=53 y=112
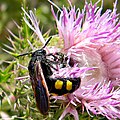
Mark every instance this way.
x=61 y=86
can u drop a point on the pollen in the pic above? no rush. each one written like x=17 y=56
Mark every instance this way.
x=58 y=84
x=68 y=85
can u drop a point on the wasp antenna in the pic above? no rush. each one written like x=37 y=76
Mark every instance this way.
x=25 y=54
x=47 y=42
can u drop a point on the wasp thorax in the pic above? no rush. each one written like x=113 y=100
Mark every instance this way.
x=40 y=52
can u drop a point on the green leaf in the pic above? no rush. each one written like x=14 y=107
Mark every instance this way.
x=5 y=74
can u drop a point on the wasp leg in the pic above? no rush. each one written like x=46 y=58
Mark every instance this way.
x=49 y=64
x=58 y=57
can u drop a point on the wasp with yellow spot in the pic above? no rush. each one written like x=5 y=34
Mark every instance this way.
x=61 y=86
x=40 y=71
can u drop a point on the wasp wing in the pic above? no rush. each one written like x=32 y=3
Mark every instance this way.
x=39 y=87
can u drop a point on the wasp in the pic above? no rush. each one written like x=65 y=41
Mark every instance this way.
x=40 y=71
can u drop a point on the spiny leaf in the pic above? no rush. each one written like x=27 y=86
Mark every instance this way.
x=11 y=53
x=5 y=74
x=7 y=46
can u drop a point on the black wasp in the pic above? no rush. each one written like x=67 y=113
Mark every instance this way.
x=40 y=71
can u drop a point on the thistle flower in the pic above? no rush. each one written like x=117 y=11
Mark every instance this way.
x=92 y=40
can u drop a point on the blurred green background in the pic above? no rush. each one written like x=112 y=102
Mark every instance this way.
x=10 y=14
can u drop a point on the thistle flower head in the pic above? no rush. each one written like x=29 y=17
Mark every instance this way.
x=92 y=40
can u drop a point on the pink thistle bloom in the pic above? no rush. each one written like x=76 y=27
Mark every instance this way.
x=92 y=40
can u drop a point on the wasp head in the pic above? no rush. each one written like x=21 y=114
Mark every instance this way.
x=40 y=52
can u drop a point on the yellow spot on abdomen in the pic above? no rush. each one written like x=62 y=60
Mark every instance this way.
x=68 y=85
x=58 y=84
